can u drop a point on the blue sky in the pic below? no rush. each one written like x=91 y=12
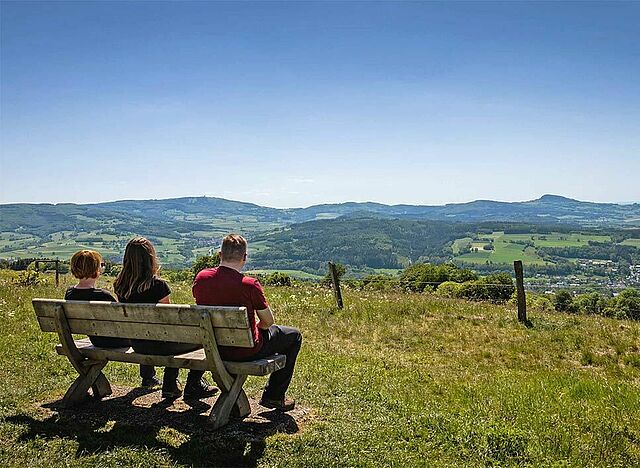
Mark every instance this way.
x=293 y=104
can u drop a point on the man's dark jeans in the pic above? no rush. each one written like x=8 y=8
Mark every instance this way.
x=281 y=340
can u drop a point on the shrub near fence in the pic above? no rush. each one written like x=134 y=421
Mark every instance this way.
x=626 y=305
x=423 y=276
x=498 y=287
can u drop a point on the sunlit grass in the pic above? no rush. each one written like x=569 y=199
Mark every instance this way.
x=394 y=379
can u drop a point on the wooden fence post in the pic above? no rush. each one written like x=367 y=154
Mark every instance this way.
x=57 y=272
x=336 y=285
x=522 y=300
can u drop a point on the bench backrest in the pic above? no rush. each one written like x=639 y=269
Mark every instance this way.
x=166 y=322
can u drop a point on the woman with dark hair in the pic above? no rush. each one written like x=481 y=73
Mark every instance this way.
x=138 y=283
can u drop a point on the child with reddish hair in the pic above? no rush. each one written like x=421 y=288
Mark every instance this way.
x=86 y=267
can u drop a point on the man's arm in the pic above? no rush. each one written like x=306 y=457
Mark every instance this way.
x=266 y=318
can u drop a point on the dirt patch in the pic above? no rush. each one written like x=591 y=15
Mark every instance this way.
x=146 y=408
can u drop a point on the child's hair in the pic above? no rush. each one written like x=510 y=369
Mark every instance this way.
x=85 y=264
x=139 y=268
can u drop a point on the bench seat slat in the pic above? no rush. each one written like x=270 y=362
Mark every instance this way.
x=192 y=360
x=171 y=314
x=152 y=331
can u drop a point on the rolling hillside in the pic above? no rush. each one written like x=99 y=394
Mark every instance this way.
x=183 y=228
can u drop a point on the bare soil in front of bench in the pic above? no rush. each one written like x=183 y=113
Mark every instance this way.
x=146 y=409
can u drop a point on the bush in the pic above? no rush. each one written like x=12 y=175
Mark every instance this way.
x=177 y=276
x=49 y=266
x=625 y=305
x=419 y=276
x=497 y=287
x=114 y=270
x=205 y=261
x=563 y=301
x=29 y=278
x=591 y=303
x=21 y=264
x=278 y=279
x=379 y=282
x=450 y=289
x=539 y=302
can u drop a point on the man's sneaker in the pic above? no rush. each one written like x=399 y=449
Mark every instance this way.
x=171 y=391
x=199 y=389
x=284 y=405
x=151 y=382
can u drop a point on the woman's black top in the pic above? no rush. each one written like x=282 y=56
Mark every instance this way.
x=159 y=290
x=95 y=294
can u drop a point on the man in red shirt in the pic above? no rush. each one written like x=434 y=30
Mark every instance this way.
x=226 y=286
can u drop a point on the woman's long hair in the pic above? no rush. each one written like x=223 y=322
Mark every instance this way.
x=139 y=268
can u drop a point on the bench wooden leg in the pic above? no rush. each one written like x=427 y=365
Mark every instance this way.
x=234 y=397
x=101 y=387
x=242 y=407
x=90 y=371
x=90 y=376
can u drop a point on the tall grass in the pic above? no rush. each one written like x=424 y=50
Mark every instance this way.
x=393 y=380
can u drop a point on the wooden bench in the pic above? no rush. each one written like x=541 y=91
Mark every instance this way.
x=208 y=326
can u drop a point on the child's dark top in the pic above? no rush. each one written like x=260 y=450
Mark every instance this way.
x=95 y=294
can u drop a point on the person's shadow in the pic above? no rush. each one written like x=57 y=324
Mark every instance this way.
x=100 y=426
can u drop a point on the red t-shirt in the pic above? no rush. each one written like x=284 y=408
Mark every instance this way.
x=224 y=286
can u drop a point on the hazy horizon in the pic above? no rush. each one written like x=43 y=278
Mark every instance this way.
x=315 y=204
x=287 y=104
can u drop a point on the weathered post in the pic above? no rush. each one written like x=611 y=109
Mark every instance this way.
x=522 y=300
x=57 y=272
x=336 y=284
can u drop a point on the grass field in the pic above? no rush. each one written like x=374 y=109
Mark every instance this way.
x=388 y=271
x=631 y=242
x=393 y=380
x=506 y=250
x=558 y=239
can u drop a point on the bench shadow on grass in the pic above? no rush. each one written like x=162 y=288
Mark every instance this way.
x=101 y=426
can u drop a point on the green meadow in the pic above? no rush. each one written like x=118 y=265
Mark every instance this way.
x=509 y=247
x=503 y=251
x=632 y=242
x=392 y=380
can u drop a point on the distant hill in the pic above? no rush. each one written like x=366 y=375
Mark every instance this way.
x=198 y=212
x=546 y=209
x=183 y=228
x=357 y=240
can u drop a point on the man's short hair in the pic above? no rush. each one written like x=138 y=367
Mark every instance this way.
x=234 y=247
x=85 y=264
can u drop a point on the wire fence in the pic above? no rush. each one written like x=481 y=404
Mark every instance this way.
x=392 y=281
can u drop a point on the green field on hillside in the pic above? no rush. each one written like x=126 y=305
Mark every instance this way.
x=392 y=380
x=108 y=246
x=631 y=242
x=510 y=247
x=503 y=251
x=558 y=239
